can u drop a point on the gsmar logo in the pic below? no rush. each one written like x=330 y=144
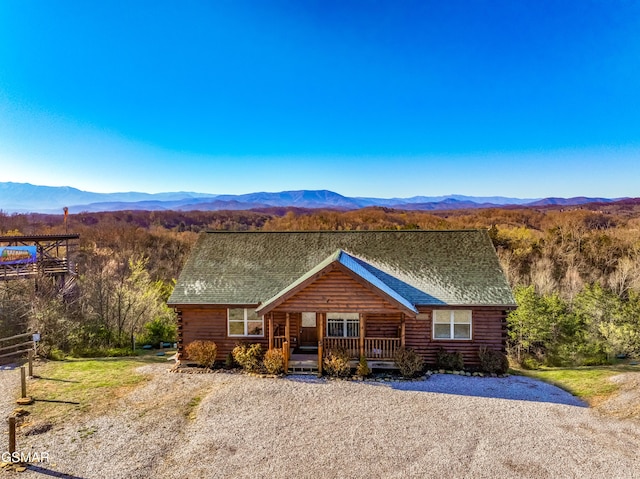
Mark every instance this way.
x=25 y=457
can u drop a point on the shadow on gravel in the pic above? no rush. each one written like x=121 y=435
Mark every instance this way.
x=518 y=388
x=305 y=378
x=9 y=367
x=50 y=472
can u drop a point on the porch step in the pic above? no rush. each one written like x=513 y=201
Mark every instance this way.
x=303 y=366
x=310 y=371
x=308 y=349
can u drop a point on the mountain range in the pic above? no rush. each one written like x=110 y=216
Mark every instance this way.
x=27 y=198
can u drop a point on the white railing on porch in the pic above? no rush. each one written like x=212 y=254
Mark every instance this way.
x=374 y=348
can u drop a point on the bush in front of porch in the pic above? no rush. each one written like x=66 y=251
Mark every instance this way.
x=363 y=370
x=336 y=363
x=249 y=356
x=274 y=361
x=408 y=362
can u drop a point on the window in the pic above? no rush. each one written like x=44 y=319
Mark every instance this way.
x=245 y=322
x=448 y=324
x=308 y=320
x=343 y=325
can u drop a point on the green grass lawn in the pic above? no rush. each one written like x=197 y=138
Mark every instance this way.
x=589 y=383
x=75 y=386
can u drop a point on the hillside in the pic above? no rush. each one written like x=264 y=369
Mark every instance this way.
x=575 y=269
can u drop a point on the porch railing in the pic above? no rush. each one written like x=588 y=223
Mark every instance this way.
x=374 y=348
x=351 y=345
x=381 y=348
x=278 y=340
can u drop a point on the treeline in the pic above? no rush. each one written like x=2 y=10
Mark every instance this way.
x=576 y=272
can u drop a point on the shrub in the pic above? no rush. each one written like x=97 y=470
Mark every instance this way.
x=492 y=361
x=409 y=362
x=229 y=363
x=249 y=356
x=363 y=368
x=449 y=361
x=274 y=361
x=336 y=363
x=529 y=362
x=160 y=329
x=203 y=353
x=56 y=354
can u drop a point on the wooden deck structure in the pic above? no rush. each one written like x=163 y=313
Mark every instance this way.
x=54 y=258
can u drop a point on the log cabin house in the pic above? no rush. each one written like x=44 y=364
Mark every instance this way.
x=369 y=292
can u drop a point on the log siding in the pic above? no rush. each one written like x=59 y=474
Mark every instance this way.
x=337 y=292
x=210 y=323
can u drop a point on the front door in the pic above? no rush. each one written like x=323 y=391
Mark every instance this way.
x=308 y=331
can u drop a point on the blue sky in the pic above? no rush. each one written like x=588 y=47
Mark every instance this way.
x=366 y=98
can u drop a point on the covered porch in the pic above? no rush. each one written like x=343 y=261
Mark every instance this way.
x=338 y=304
x=311 y=336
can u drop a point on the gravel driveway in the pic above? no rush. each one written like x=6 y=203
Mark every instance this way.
x=9 y=391
x=303 y=427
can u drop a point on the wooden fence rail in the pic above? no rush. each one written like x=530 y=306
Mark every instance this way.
x=20 y=348
x=9 y=338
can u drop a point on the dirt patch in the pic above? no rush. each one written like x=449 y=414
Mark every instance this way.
x=626 y=402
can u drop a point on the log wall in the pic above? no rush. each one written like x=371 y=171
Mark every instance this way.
x=383 y=325
x=336 y=291
x=210 y=323
x=489 y=328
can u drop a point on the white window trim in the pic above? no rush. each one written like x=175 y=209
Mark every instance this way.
x=347 y=317
x=451 y=325
x=246 y=325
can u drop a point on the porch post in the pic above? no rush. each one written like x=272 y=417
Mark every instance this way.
x=270 y=331
x=287 y=329
x=320 y=322
x=362 y=332
x=402 y=330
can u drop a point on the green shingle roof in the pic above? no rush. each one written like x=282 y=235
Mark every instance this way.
x=424 y=267
x=356 y=267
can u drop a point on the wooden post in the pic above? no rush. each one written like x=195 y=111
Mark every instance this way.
x=287 y=329
x=12 y=435
x=270 y=331
x=321 y=327
x=320 y=358
x=30 y=363
x=285 y=353
x=23 y=381
x=402 y=331
x=362 y=332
